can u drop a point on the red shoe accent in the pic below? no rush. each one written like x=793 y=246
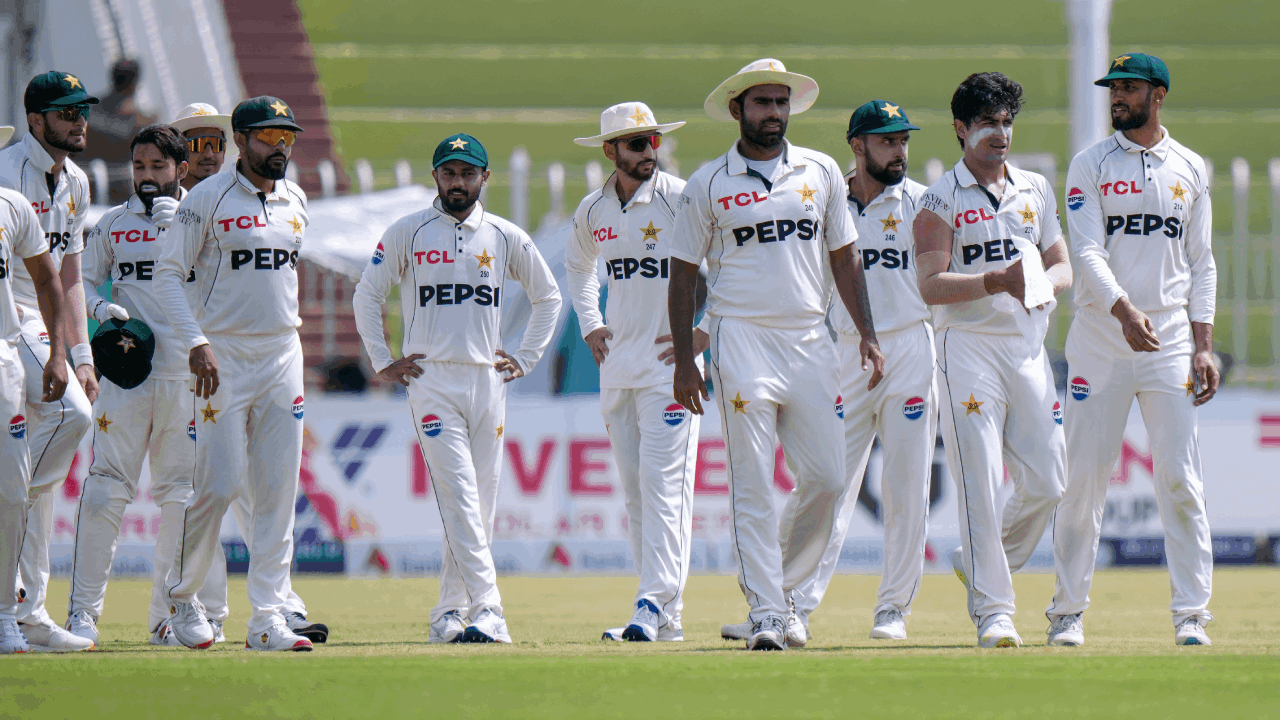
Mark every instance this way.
x=303 y=645
x=203 y=646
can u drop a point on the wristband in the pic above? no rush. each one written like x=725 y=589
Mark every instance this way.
x=81 y=354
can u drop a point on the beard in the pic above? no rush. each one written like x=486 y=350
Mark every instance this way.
x=1136 y=117
x=63 y=142
x=452 y=202
x=147 y=191
x=640 y=170
x=885 y=175
x=263 y=166
x=756 y=135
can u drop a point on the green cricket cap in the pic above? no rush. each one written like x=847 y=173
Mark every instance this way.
x=878 y=116
x=54 y=90
x=122 y=351
x=263 y=111
x=1138 y=66
x=460 y=147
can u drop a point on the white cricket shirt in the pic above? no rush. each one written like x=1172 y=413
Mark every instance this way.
x=244 y=245
x=125 y=247
x=888 y=250
x=634 y=242
x=452 y=277
x=25 y=167
x=1141 y=227
x=765 y=240
x=984 y=232
x=20 y=237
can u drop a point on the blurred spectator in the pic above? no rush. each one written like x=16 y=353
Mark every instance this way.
x=114 y=124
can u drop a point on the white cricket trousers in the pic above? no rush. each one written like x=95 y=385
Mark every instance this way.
x=1106 y=375
x=655 y=444
x=458 y=412
x=248 y=439
x=54 y=431
x=999 y=411
x=151 y=419
x=777 y=385
x=903 y=411
x=15 y=475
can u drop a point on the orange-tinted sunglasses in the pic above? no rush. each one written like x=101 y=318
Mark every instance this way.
x=272 y=136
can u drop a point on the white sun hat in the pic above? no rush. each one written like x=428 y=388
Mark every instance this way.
x=766 y=71
x=625 y=119
x=198 y=115
x=6 y=132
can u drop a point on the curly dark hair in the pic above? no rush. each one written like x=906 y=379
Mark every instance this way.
x=983 y=95
x=168 y=141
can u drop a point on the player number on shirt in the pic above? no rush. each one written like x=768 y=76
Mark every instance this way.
x=484 y=273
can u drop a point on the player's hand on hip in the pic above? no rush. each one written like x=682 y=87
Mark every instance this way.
x=88 y=381
x=163 y=210
x=1009 y=280
x=205 y=367
x=54 y=381
x=872 y=359
x=701 y=341
x=1205 y=372
x=1137 y=327
x=597 y=341
x=401 y=370
x=688 y=388
x=507 y=364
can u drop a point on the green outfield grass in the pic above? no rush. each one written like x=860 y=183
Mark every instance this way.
x=378 y=663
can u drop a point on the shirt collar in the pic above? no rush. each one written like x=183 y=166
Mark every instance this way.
x=890 y=192
x=738 y=164
x=643 y=194
x=277 y=187
x=473 y=220
x=1160 y=149
x=1018 y=180
x=135 y=205
x=37 y=153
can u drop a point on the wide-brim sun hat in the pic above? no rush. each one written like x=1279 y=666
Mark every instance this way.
x=626 y=119
x=6 y=132
x=766 y=71
x=197 y=115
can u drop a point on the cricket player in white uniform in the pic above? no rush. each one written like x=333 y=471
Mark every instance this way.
x=771 y=221
x=242 y=231
x=149 y=419
x=452 y=262
x=22 y=242
x=655 y=440
x=990 y=258
x=1141 y=234
x=39 y=168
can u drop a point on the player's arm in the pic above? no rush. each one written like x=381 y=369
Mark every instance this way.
x=526 y=265
x=580 y=259
x=690 y=241
x=1054 y=255
x=840 y=234
x=370 y=295
x=95 y=269
x=937 y=285
x=77 y=330
x=30 y=244
x=701 y=331
x=186 y=238
x=1201 y=305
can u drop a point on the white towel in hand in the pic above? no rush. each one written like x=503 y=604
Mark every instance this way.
x=1031 y=320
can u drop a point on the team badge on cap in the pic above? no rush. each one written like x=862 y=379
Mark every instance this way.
x=840 y=406
x=17 y=427
x=297 y=407
x=379 y=254
x=431 y=425
x=913 y=408
x=1075 y=198
x=1079 y=388
x=1057 y=412
x=674 y=414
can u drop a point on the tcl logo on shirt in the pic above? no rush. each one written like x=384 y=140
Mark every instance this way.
x=604 y=234
x=431 y=257
x=624 y=268
x=458 y=293
x=742 y=200
x=974 y=216
x=133 y=236
x=990 y=251
x=264 y=258
x=41 y=207
x=1120 y=187
x=776 y=231
x=244 y=222
x=1144 y=224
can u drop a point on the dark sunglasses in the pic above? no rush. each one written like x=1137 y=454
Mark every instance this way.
x=72 y=113
x=201 y=143
x=637 y=145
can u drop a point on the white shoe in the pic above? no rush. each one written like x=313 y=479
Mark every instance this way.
x=488 y=627
x=48 y=637
x=448 y=629
x=189 y=624
x=278 y=638
x=769 y=634
x=11 y=639
x=216 y=626
x=889 y=625
x=797 y=633
x=667 y=633
x=317 y=633
x=738 y=631
x=82 y=624
x=1191 y=632
x=644 y=623
x=163 y=635
x=997 y=631
x=1066 y=631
